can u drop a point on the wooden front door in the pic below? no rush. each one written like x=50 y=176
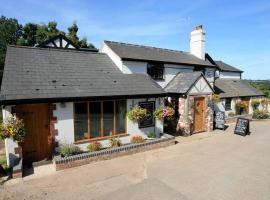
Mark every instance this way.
x=38 y=142
x=199 y=114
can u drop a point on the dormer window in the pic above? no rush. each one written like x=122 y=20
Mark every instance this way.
x=156 y=71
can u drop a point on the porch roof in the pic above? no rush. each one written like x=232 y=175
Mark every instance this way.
x=235 y=88
x=183 y=82
x=45 y=73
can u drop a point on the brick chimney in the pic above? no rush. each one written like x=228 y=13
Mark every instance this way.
x=197 y=42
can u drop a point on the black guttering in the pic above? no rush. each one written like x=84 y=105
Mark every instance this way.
x=75 y=99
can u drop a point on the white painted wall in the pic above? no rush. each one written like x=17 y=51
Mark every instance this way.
x=229 y=75
x=210 y=75
x=10 y=145
x=134 y=67
x=114 y=57
x=201 y=87
x=65 y=122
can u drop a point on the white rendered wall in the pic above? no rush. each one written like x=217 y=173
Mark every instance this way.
x=201 y=87
x=230 y=75
x=133 y=128
x=114 y=57
x=65 y=122
x=210 y=75
x=10 y=145
x=134 y=67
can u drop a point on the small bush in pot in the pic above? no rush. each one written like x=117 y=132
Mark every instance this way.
x=151 y=135
x=115 y=142
x=260 y=114
x=69 y=150
x=136 y=139
x=231 y=114
x=94 y=146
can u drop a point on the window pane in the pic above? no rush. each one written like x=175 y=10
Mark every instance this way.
x=80 y=121
x=149 y=121
x=120 y=110
x=95 y=119
x=108 y=113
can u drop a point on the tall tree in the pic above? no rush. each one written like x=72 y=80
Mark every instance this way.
x=10 y=32
x=72 y=33
x=29 y=34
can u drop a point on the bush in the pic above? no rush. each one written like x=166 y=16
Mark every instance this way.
x=164 y=111
x=241 y=107
x=69 y=150
x=260 y=114
x=115 y=142
x=151 y=135
x=215 y=98
x=13 y=127
x=255 y=103
x=137 y=139
x=231 y=114
x=94 y=146
x=137 y=114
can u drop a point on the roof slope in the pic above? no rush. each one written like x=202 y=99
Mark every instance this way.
x=146 y=53
x=182 y=82
x=235 y=88
x=226 y=67
x=42 y=73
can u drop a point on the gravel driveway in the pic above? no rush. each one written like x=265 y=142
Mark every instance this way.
x=210 y=166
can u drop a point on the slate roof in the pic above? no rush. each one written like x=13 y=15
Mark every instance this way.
x=182 y=82
x=235 y=88
x=44 y=73
x=226 y=67
x=145 y=53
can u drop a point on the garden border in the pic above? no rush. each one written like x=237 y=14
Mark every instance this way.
x=105 y=154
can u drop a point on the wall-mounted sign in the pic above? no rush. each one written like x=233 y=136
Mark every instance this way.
x=242 y=127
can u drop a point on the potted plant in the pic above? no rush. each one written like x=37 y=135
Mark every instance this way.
x=255 y=104
x=137 y=114
x=164 y=111
x=14 y=128
x=241 y=107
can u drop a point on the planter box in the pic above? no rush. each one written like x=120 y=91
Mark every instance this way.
x=89 y=157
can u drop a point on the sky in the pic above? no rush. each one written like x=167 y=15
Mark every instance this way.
x=237 y=31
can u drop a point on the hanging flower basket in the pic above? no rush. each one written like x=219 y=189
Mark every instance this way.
x=241 y=107
x=13 y=127
x=215 y=98
x=137 y=114
x=164 y=112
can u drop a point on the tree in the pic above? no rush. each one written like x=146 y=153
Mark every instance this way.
x=10 y=32
x=29 y=34
x=72 y=33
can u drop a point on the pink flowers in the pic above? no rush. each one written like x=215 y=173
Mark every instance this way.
x=164 y=111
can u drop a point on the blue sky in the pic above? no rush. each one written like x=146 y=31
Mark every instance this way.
x=238 y=31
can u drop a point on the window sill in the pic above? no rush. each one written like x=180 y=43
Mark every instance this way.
x=100 y=138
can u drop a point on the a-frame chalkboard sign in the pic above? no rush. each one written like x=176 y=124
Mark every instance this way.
x=242 y=127
x=219 y=120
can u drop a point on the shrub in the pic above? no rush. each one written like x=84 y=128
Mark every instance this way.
x=13 y=127
x=94 y=146
x=137 y=139
x=151 y=135
x=260 y=114
x=231 y=114
x=164 y=111
x=241 y=107
x=255 y=103
x=137 y=114
x=265 y=102
x=69 y=150
x=215 y=98
x=115 y=142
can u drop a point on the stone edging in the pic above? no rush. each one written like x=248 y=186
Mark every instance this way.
x=89 y=157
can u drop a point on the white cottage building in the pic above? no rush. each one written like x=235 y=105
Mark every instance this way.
x=77 y=96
